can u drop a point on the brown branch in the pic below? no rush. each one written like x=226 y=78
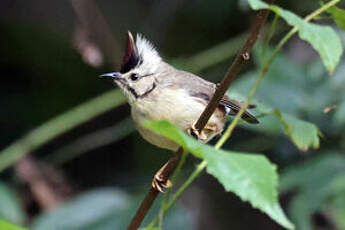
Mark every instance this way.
x=233 y=71
x=205 y=116
x=143 y=209
x=153 y=193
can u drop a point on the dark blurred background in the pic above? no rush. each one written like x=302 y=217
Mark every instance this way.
x=51 y=55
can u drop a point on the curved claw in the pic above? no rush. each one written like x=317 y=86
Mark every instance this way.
x=159 y=184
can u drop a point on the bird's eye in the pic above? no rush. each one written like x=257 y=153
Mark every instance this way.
x=134 y=76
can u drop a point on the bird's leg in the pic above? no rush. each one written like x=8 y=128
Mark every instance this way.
x=161 y=180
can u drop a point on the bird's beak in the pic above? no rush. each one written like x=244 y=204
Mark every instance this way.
x=114 y=75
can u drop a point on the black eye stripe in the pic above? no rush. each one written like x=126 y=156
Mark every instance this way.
x=135 y=76
x=146 y=75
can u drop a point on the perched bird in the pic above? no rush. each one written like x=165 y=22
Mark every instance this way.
x=157 y=91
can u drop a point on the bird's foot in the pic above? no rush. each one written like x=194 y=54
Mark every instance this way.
x=160 y=183
x=200 y=135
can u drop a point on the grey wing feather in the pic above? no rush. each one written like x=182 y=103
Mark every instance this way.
x=235 y=107
x=204 y=90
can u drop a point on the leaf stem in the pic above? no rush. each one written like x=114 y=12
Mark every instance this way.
x=322 y=9
x=269 y=36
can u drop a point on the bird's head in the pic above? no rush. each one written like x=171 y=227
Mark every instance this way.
x=139 y=69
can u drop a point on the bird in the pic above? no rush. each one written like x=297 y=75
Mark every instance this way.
x=158 y=91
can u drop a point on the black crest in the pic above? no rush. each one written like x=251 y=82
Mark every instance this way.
x=131 y=58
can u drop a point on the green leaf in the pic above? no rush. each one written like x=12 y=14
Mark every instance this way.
x=303 y=134
x=105 y=209
x=4 y=225
x=96 y=210
x=337 y=201
x=171 y=132
x=323 y=38
x=258 y=4
x=338 y=210
x=252 y=177
x=319 y=170
x=340 y=114
x=316 y=181
x=148 y=228
x=302 y=208
x=338 y=16
x=10 y=208
x=328 y=197
x=285 y=87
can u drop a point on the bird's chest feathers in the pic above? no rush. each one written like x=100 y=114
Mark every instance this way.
x=173 y=105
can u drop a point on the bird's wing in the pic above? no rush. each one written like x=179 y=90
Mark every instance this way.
x=204 y=90
x=235 y=107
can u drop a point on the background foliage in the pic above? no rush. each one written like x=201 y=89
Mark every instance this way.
x=93 y=168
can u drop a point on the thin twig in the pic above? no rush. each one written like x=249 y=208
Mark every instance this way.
x=269 y=36
x=205 y=116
